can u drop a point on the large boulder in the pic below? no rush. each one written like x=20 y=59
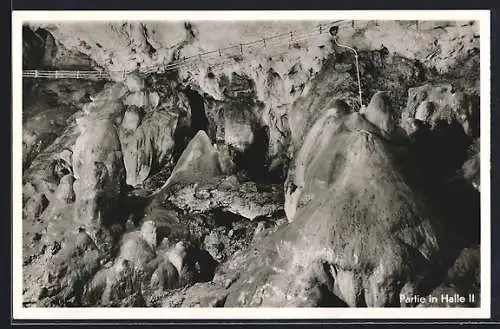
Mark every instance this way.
x=338 y=80
x=359 y=235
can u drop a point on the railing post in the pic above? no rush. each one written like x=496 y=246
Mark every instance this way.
x=264 y=41
x=36 y=73
x=241 y=48
x=55 y=74
x=220 y=53
x=78 y=74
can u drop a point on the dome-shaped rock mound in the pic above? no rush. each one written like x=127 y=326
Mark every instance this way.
x=379 y=112
x=359 y=232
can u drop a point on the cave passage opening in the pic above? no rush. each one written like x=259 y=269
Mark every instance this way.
x=199 y=120
x=253 y=160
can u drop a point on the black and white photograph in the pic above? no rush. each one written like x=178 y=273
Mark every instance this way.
x=274 y=161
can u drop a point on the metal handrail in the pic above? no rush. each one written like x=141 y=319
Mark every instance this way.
x=335 y=39
x=275 y=41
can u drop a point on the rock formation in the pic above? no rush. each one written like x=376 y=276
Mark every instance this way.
x=147 y=147
x=198 y=162
x=352 y=195
x=442 y=102
x=139 y=247
x=99 y=172
x=379 y=112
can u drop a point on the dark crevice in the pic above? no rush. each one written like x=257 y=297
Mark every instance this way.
x=253 y=159
x=326 y=296
x=433 y=167
x=33 y=49
x=199 y=119
x=201 y=263
x=475 y=116
x=328 y=299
